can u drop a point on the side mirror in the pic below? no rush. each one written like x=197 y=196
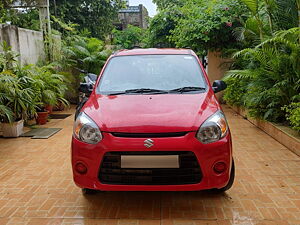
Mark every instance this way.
x=92 y=77
x=86 y=88
x=219 y=85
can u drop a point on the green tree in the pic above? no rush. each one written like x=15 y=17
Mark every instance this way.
x=163 y=4
x=160 y=28
x=164 y=22
x=129 y=37
x=28 y=19
x=95 y=15
x=207 y=25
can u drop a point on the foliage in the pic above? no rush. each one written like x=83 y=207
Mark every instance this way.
x=163 y=4
x=24 y=90
x=128 y=38
x=7 y=57
x=28 y=19
x=84 y=53
x=272 y=73
x=235 y=91
x=159 y=32
x=293 y=115
x=17 y=97
x=65 y=29
x=285 y=14
x=198 y=24
x=208 y=24
x=161 y=26
x=95 y=16
x=266 y=75
x=49 y=87
x=6 y=114
x=266 y=17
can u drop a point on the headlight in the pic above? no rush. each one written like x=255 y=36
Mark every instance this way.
x=86 y=130
x=213 y=129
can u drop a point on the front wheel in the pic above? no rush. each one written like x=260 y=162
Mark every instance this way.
x=230 y=182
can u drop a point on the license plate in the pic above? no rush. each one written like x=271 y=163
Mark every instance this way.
x=141 y=161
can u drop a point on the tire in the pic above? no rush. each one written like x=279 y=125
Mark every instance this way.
x=230 y=182
x=87 y=191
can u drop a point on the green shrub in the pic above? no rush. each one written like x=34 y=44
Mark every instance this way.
x=24 y=90
x=235 y=91
x=49 y=87
x=17 y=97
x=271 y=75
x=129 y=37
x=83 y=53
x=293 y=115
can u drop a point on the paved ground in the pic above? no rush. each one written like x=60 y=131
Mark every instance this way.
x=36 y=187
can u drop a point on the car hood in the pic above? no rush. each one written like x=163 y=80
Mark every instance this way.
x=151 y=113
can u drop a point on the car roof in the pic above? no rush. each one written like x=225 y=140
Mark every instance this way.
x=154 y=51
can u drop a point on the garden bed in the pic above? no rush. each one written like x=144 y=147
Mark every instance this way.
x=283 y=134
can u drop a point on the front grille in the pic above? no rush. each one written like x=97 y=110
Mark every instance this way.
x=148 y=135
x=189 y=171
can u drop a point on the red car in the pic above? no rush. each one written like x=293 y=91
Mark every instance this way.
x=152 y=123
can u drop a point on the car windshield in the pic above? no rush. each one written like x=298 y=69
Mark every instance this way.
x=152 y=73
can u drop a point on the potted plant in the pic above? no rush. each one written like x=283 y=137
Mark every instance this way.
x=9 y=128
x=49 y=89
x=46 y=98
x=42 y=116
x=17 y=102
x=49 y=108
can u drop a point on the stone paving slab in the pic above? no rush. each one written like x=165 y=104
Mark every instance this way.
x=36 y=187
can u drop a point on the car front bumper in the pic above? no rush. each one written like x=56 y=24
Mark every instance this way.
x=207 y=155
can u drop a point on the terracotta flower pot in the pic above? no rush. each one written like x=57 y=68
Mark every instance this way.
x=42 y=118
x=49 y=108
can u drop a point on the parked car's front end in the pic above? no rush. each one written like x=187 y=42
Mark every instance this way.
x=160 y=137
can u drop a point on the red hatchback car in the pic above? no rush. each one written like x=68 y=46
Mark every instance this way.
x=152 y=123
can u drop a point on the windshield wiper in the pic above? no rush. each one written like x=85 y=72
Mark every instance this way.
x=187 y=89
x=140 y=90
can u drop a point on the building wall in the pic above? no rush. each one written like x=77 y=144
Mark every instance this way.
x=28 y=43
x=129 y=18
x=217 y=67
x=145 y=17
x=133 y=15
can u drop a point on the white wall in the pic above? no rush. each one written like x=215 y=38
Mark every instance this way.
x=28 y=43
x=31 y=46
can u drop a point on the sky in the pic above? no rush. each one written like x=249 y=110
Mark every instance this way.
x=151 y=7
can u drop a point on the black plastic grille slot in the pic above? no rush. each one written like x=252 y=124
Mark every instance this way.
x=189 y=171
x=148 y=135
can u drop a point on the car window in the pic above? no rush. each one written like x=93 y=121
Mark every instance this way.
x=162 y=72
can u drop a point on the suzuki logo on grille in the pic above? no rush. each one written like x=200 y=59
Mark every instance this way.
x=148 y=143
